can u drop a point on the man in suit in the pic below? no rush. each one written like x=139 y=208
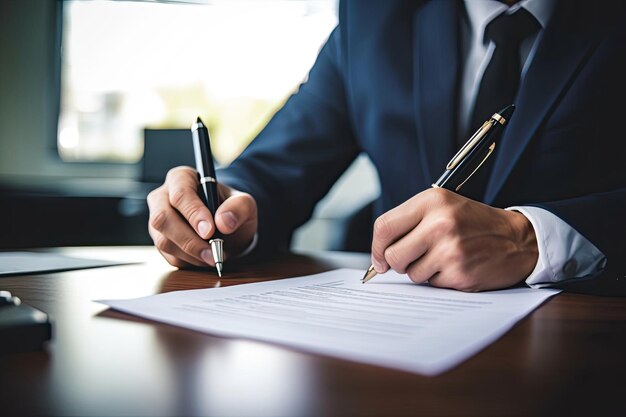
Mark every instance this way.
x=406 y=82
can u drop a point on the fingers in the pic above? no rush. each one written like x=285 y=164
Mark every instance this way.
x=424 y=269
x=183 y=244
x=388 y=228
x=172 y=254
x=454 y=242
x=237 y=210
x=436 y=266
x=397 y=222
x=171 y=234
x=182 y=186
x=407 y=249
x=180 y=223
x=237 y=219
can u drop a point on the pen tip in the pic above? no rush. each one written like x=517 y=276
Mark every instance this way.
x=218 y=266
x=369 y=274
x=199 y=120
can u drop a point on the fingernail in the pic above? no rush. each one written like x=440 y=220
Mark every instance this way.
x=207 y=256
x=378 y=266
x=230 y=219
x=204 y=228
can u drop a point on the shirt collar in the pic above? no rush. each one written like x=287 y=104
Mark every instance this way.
x=481 y=12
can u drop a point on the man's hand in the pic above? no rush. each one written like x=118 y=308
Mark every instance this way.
x=180 y=223
x=454 y=242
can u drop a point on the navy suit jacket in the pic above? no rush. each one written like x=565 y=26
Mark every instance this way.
x=387 y=83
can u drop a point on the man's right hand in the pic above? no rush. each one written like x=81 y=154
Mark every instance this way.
x=180 y=224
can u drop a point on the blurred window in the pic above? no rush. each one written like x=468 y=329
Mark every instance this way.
x=130 y=65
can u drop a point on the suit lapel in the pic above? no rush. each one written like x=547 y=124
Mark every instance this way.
x=566 y=45
x=436 y=80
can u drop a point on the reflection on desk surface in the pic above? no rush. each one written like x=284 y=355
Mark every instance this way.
x=563 y=359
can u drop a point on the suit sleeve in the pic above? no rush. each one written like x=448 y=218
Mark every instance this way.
x=599 y=218
x=297 y=157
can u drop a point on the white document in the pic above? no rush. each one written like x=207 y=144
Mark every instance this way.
x=389 y=321
x=17 y=263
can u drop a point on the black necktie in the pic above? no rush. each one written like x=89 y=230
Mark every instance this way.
x=500 y=81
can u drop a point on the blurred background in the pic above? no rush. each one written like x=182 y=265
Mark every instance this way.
x=97 y=98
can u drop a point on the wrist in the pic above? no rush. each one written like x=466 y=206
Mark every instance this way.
x=525 y=243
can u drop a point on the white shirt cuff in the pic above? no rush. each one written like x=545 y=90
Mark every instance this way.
x=564 y=254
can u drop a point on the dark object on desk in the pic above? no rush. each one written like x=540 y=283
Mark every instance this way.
x=22 y=328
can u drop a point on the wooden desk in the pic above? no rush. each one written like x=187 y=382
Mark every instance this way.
x=567 y=358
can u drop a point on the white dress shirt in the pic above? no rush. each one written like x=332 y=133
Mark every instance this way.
x=564 y=254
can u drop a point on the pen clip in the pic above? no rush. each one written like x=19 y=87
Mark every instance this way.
x=469 y=145
x=490 y=151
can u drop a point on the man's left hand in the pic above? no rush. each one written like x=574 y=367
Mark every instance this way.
x=454 y=242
